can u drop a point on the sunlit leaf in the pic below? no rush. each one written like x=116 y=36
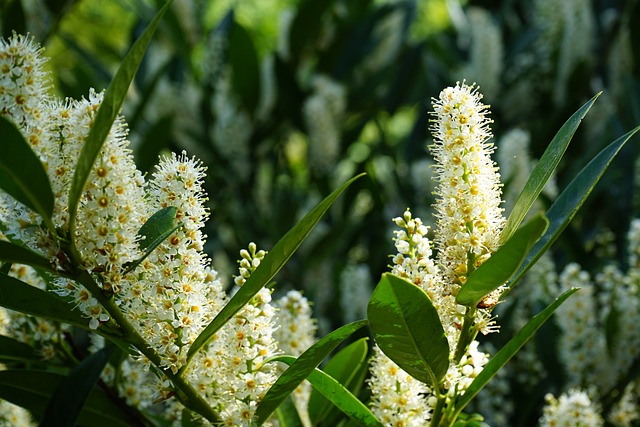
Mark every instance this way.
x=567 y=204
x=503 y=264
x=338 y=394
x=544 y=170
x=273 y=261
x=107 y=113
x=345 y=367
x=407 y=328
x=302 y=368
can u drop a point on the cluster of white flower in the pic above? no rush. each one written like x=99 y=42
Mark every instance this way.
x=469 y=222
x=14 y=416
x=573 y=408
x=169 y=297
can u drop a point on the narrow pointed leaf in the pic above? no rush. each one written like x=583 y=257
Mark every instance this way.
x=19 y=296
x=107 y=113
x=544 y=169
x=302 y=368
x=345 y=367
x=509 y=350
x=275 y=259
x=153 y=232
x=503 y=264
x=569 y=202
x=22 y=175
x=32 y=389
x=70 y=396
x=407 y=328
x=340 y=396
x=17 y=254
x=12 y=350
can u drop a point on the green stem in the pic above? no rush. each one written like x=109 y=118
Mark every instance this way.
x=437 y=411
x=185 y=391
x=466 y=335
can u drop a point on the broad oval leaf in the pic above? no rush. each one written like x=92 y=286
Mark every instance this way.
x=503 y=263
x=407 y=328
x=340 y=396
x=22 y=175
x=20 y=255
x=567 y=204
x=70 y=396
x=544 y=169
x=106 y=115
x=303 y=366
x=509 y=350
x=345 y=367
x=275 y=259
x=32 y=389
x=19 y=296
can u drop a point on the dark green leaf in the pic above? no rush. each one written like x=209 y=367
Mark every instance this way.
x=245 y=69
x=153 y=232
x=302 y=368
x=567 y=204
x=287 y=414
x=544 y=169
x=275 y=259
x=12 y=350
x=22 y=175
x=509 y=350
x=107 y=113
x=19 y=296
x=32 y=390
x=407 y=328
x=70 y=396
x=498 y=269
x=340 y=396
x=306 y=26
x=20 y=255
x=344 y=366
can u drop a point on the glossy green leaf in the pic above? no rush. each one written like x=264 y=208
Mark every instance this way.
x=509 y=350
x=72 y=393
x=22 y=175
x=503 y=264
x=544 y=169
x=567 y=204
x=17 y=254
x=32 y=389
x=153 y=232
x=302 y=368
x=106 y=115
x=340 y=396
x=275 y=259
x=345 y=367
x=19 y=296
x=407 y=328
x=12 y=350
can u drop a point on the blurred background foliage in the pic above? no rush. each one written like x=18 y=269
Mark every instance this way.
x=284 y=100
